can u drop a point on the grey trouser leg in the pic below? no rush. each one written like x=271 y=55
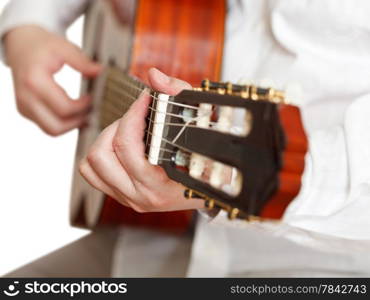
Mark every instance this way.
x=90 y=256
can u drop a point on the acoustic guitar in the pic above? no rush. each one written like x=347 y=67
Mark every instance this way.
x=240 y=148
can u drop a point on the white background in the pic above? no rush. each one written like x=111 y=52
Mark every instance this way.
x=35 y=177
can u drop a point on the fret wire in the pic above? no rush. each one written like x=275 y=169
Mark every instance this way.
x=119 y=85
x=154 y=97
x=115 y=107
x=109 y=109
x=121 y=80
x=109 y=104
x=111 y=101
x=120 y=94
x=126 y=84
x=119 y=89
x=127 y=80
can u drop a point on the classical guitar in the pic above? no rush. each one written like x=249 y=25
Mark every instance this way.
x=240 y=148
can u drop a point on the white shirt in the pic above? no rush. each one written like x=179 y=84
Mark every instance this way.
x=325 y=47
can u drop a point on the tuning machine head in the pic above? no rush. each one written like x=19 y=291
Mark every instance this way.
x=211 y=204
x=247 y=91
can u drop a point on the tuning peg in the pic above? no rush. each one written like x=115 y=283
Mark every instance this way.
x=233 y=213
x=190 y=194
x=209 y=204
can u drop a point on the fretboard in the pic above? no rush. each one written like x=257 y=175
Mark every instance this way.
x=120 y=91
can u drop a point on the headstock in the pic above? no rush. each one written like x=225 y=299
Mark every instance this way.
x=224 y=142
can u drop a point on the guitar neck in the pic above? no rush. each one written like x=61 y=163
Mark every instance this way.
x=120 y=91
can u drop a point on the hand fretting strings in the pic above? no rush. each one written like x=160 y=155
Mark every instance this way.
x=121 y=91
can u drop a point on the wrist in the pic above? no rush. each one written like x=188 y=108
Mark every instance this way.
x=15 y=39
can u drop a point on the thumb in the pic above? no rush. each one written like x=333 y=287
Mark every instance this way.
x=165 y=84
x=79 y=61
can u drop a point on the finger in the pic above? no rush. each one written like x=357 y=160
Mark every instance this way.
x=165 y=84
x=128 y=143
x=93 y=179
x=79 y=61
x=57 y=99
x=106 y=165
x=46 y=119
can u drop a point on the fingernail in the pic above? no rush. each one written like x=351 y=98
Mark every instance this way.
x=161 y=76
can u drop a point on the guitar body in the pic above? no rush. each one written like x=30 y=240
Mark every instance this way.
x=183 y=38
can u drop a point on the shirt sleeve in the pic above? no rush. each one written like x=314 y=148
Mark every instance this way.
x=336 y=184
x=54 y=16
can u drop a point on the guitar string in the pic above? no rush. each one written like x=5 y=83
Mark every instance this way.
x=183 y=126
x=175 y=124
x=167 y=141
x=115 y=113
x=127 y=82
x=173 y=143
x=120 y=89
x=155 y=110
x=163 y=139
x=108 y=105
x=159 y=158
x=115 y=116
x=149 y=144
